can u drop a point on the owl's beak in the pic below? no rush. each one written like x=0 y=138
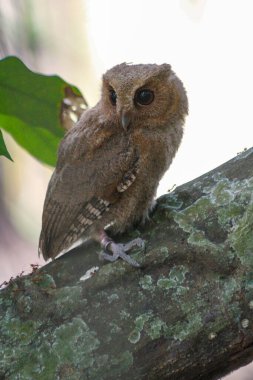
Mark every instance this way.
x=125 y=119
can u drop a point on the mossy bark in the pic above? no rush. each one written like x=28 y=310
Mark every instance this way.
x=186 y=314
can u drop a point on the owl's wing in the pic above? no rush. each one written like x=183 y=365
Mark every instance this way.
x=81 y=190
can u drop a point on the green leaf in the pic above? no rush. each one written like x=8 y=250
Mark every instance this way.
x=31 y=108
x=39 y=142
x=3 y=149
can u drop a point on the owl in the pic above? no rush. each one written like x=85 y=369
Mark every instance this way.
x=110 y=163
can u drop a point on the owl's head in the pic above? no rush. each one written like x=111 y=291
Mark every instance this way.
x=145 y=95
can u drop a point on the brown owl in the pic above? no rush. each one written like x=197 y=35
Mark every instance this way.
x=110 y=163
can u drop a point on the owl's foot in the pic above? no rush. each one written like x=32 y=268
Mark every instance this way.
x=120 y=250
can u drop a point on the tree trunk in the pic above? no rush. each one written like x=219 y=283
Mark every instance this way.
x=186 y=314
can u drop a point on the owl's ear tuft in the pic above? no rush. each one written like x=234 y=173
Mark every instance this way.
x=165 y=69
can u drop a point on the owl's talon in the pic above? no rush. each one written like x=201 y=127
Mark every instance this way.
x=105 y=256
x=119 y=250
x=138 y=242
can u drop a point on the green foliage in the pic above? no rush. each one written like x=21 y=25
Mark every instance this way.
x=3 y=149
x=31 y=107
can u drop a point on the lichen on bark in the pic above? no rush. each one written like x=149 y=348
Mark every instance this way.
x=186 y=314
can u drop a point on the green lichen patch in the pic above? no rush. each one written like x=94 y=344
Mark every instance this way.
x=241 y=238
x=175 y=279
x=24 y=304
x=170 y=202
x=50 y=349
x=113 y=297
x=134 y=336
x=70 y=335
x=108 y=274
x=146 y=282
x=165 y=283
x=124 y=315
x=199 y=239
x=155 y=328
x=193 y=219
x=71 y=343
x=222 y=216
x=221 y=194
x=165 y=251
x=230 y=214
x=142 y=319
x=248 y=288
x=228 y=289
x=16 y=338
x=114 y=328
x=18 y=331
x=68 y=299
x=139 y=322
x=186 y=329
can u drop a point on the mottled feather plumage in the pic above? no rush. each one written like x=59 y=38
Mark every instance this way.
x=107 y=173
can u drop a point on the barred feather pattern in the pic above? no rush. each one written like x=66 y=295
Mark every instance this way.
x=91 y=211
x=129 y=177
x=95 y=208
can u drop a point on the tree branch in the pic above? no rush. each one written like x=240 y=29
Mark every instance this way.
x=187 y=314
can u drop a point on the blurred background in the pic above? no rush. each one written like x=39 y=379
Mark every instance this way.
x=207 y=42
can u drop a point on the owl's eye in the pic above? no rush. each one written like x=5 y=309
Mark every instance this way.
x=144 y=97
x=113 y=97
